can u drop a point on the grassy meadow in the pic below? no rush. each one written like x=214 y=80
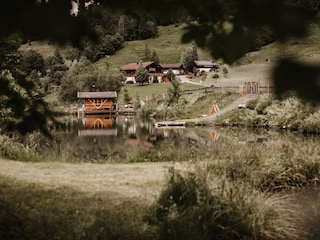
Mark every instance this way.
x=265 y=188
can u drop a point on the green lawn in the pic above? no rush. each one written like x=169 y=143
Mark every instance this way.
x=135 y=90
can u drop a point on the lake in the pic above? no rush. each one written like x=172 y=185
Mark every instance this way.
x=107 y=138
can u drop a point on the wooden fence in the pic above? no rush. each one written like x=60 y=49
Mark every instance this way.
x=247 y=88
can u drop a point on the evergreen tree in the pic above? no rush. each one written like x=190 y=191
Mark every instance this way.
x=127 y=98
x=141 y=74
x=174 y=92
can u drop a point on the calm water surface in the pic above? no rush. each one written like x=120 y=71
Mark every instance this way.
x=99 y=138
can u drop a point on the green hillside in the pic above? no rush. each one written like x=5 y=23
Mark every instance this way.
x=293 y=48
x=167 y=45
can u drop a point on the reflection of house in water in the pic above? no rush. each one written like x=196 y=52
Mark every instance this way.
x=98 y=126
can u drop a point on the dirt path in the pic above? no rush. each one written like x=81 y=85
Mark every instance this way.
x=209 y=119
x=240 y=101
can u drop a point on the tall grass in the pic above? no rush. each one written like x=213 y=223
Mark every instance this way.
x=11 y=148
x=201 y=206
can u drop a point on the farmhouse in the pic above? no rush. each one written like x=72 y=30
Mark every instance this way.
x=206 y=66
x=177 y=68
x=131 y=68
x=98 y=102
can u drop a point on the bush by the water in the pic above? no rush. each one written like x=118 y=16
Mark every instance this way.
x=291 y=113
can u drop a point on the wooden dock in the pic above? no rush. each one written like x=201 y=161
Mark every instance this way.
x=170 y=124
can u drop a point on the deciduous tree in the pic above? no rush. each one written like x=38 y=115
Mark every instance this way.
x=188 y=57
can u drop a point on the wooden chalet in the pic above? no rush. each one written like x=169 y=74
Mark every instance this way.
x=96 y=103
x=206 y=66
x=131 y=68
x=177 y=68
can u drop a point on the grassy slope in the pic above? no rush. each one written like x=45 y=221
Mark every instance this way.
x=167 y=45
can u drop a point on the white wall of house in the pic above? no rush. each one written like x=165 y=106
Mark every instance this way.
x=175 y=71
x=204 y=69
x=129 y=79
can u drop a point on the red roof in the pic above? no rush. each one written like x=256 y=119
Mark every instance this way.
x=135 y=66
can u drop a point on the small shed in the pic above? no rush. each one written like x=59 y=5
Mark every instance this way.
x=98 y=102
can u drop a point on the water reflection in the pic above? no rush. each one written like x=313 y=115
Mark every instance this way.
x=98 y=126
x=101 y=138
x=134 y=132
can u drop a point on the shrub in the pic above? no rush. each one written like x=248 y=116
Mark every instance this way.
x=261 y=108
x=252 y=104
x=216 y=75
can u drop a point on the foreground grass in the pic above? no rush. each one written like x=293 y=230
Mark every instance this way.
x=32 y=211
x=192 y=205
x=148 y=90
x=201 y=206
x=231 y=191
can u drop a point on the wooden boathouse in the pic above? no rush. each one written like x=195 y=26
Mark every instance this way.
x=96 y=103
